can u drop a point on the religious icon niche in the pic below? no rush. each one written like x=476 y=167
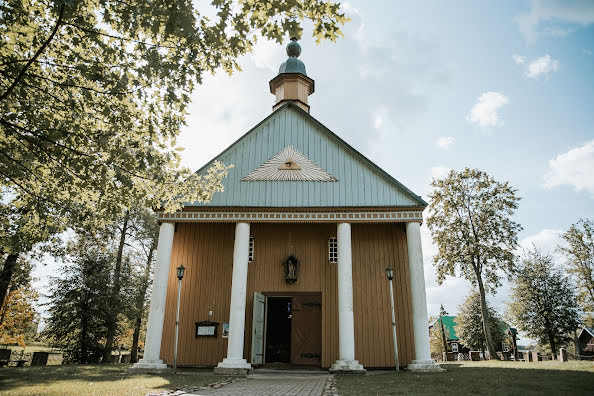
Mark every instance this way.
x=291 y=269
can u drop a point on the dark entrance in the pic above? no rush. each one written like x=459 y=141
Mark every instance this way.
x=294 y=329
x=278 y=330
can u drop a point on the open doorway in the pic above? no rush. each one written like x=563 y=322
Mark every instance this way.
x=278 y=330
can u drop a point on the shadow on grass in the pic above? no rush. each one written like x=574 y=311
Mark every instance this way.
x=462 y=379
x=112 y=374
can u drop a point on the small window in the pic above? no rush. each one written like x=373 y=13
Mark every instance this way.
x=455 y=347
x=504 y=347
x=333 y=250
x=251 y=253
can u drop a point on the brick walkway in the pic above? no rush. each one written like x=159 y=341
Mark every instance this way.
x=270 y=385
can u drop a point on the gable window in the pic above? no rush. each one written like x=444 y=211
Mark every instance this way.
x=333 y=250
x=251 y=252
x=455 y=347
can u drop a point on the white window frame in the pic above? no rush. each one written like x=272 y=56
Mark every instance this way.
x=333 y=250
x=504 y=347
x=251 y=251
x=455 y=347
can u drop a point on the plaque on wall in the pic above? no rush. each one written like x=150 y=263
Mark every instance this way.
x=206 y=329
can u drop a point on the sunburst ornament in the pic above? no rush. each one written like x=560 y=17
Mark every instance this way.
x=289 y=165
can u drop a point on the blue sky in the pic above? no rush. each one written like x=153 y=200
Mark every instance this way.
x=420 y=87
x=401 y=88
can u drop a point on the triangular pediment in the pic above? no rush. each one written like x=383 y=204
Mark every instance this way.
x=289 y=164
x=291 y=160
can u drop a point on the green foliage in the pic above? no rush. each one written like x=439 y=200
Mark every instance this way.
x=543 y=303
x=93 y=93
x=470 y=324
x=470 y=221
x=436 y=337
x=580 y=256
x=79 y=305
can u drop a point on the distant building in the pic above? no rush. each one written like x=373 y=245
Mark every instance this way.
x=586 y=342
x=454 y=343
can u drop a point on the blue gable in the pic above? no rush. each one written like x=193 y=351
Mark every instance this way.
x=357 y=182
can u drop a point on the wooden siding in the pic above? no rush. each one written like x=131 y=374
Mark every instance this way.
x=358 y=183
x=206 y=250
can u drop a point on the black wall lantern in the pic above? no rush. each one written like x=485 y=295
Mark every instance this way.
x=291 y=269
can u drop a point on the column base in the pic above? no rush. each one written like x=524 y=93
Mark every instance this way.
x=233 y=367
x=347 y=367
x=148 y=366
x=424 y=366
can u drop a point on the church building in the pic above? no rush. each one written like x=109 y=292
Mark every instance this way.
x=287 y=266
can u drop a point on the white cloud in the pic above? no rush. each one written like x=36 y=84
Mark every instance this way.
x=542 y=66
x=586 y=52
x=267 y=54
x=573 y=168
x=545 y=16
x=484 y=112
x=520 y=60
x=378 y=121
x=439 y=172
x=445 y=142
x=546 y=240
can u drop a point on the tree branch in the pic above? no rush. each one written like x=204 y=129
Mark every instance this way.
x=39 y=51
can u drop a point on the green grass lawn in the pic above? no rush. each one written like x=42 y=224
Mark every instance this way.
x=92 y=380
x=479 y=378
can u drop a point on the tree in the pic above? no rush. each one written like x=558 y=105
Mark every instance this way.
x=17 y=316
x=580 y=256
x=139 y=230
x=93 y=95
x=436 y=337
x=79 y=301
x=543 y=304
x=470 y=324
x=469 y=219
x=442 y=313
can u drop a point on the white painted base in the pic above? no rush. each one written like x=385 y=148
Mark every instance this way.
x=424 y=366
x=235 y=363
x=348 y=366
x=149 y=365
x=233 y=367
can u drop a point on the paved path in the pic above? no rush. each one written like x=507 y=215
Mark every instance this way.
x=271 y=385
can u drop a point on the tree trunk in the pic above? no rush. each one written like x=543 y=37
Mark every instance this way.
x=84 y=349
x=115 y=291
x=6 y=275
x=443 y=336
x=140 y=306
x=552 y=342
x=486 y=322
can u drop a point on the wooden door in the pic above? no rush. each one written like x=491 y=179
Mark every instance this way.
x=258 y=328
x=306 y=329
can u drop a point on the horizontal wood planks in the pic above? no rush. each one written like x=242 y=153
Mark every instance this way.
x=206 y=250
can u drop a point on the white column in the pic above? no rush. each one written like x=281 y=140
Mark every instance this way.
x=154 y=332
x=346 y=321
x=422 y=360
x=234 y=362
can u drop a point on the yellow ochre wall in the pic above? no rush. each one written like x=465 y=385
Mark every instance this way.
x=206 y=250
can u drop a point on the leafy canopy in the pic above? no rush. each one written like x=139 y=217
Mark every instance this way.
x=543 y=303
x=469 y=326
x=580 y=255
x=93 y=95
x=469 y=219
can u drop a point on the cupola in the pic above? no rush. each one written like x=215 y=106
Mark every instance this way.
x=292 y=83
